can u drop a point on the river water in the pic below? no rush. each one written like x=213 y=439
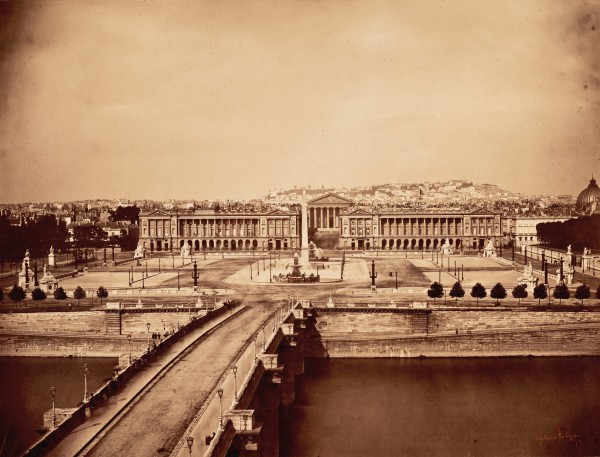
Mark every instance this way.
x=25 y=393
x=446 y=407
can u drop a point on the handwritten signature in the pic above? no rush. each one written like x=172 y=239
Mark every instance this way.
x=561 y=434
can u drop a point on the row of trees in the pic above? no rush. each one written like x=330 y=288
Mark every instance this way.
x=580 y=233
x=498 y=292
x=17 y=294
x=37 y=236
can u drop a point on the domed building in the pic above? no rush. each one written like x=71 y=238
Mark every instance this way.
x=588 y=201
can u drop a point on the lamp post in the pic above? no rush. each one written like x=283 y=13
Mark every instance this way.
x=270 y=271
x=148 y=332
x=220 y=392
x=86 y=395
x=235 y=397
x=195 y=275
x=177 y=280
x=53 y=393
x=129 y=339
x=396 y=281
x=250 y=272
x=190 y=442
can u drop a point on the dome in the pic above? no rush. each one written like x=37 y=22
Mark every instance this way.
x=589 y=199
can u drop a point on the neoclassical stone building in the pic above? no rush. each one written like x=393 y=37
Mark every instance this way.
x=358 y=229
x=362 y=229
x=210 y=230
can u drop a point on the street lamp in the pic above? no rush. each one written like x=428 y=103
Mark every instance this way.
x=220 y=392
x=129 y=338
x=86 y=395
x=53 y=393
x=235 y=397
x=190 y=441
x=148 y=331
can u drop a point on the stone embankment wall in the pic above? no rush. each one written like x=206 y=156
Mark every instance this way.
x=69 y=345
x=473 y=332
x=475 y=320
x=352 y=322
x=49 y=323
x=86 y=333
x=553 y=342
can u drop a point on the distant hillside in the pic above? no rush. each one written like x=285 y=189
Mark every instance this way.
x=451 y=190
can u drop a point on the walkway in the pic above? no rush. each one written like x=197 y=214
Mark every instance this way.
x=79 y=437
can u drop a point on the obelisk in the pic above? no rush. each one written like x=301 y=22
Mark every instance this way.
x=304 y=245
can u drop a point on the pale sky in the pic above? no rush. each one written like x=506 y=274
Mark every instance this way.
x=220 y=99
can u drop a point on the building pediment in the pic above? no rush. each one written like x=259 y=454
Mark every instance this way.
x=359 y=212
x=331 y=199
x=278 y=212
x=481 y=212
x=156 y=213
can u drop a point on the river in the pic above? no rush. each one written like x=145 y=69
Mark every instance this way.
x=25 y=393
x=446 y=407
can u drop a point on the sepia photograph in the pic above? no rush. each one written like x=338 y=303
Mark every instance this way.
x=299 y=228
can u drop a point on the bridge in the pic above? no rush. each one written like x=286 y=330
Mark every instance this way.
x=221 y=381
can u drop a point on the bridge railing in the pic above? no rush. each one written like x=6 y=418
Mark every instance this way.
x=206 y=427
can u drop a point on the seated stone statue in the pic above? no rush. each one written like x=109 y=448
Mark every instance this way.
x=489 y=250
x=139 y=251
x=185 y=250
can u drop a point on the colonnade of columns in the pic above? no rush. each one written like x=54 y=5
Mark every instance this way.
x=423 y=226
x=324 y=217
x=218 y=227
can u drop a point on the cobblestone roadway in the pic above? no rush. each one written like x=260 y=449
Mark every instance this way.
x=160 y=417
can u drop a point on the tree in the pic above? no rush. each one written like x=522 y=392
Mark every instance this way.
x=498 y=292
x=540 y=292
x=598 y=292
x=101 y=293
x=1 y=294
x=60 y=294
x=436 y=290
x=38 y=294
x=16 y=294
x=78 y=294
x=457 y=291
x=520 y=291
x=561 y=291
x=127 y=213
x=89 y=236
x=478 y=291
x=582 y=292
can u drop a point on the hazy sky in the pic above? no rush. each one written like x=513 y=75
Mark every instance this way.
x=232 y=99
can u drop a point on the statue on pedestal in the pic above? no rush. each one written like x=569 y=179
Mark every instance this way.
x=186 y=250
x=48 y=283
x=565 y=268
x=489 y=250
x=24 y=273
x=445 y=248
x=140 y=251
x=528 y=279
x=51 y=260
